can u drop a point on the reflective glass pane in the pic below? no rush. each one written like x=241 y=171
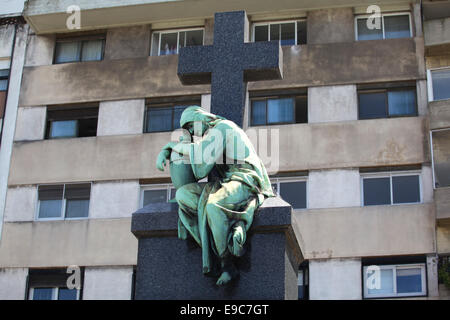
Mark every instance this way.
x=288 y=34
x=178 y=110
x=67 y=51
x=275 y=188
x=92 y=50
x=50 y=208
x=43 y=293
x=155 y=44
x=294 y=193
x=274 y=32
x=159 y=119
x=258 y=112
x=409 y=280
x=168 y=43
x=441 y=158
x=173 y=192
x=280 y=110
x=441 y=84
x=386 y=283
x=261 y=33
x=406 y=189
x=3 y=85
x=377 y=191
x=67 y=294
x=194 y=38
x=372 y=105
x=396 y=27
x=364 y=33
x=402 y=102
x=155 y=196
x=301 y=32
x=77 y=208
x=63 y=129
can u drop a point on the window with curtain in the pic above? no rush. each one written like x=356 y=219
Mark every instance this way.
x=287 y=32
x=391 y=26
x=79 y=49
x=170 y=42
x=387 y=102
x=440 y=82
x=278 y=110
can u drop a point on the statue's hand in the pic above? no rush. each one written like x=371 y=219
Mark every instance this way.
x=162 y=157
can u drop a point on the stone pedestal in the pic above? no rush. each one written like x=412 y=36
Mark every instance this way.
x=170 y=268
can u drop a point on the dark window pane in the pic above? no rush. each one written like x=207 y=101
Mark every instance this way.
x=261 y=33
x=77 y=208
x=50 y=208
x=53 y=192
x=155 y=196
x=168 y=43
x=275 y=188
x=178 y=110
x=372 y=105
x=63 y=129
x=78 y=191
x=43 y=293
x=159 y=119
x=3 y=85
x=92 y=50
x=173 y=192
x=67 y=294
x=441 y=84
x=67 y=51
x=87 y=127
x=288 y=34
x=280 y=110
x=274 y=32
x=396 y=27
x=402 y=102
x=301 y=110
x=294 y=193
x=364 y=33
x=194 y=38
x=301 y=32
x=258 y=112
x=377 y=191
x=409 y=280
x=406 y=189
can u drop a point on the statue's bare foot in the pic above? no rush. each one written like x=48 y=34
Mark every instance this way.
x=224 y=278
x=229 y=272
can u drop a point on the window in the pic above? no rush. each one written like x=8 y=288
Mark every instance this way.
x=392 y=26
x=51 y=284
x=170 y=42
x=390 y=188
x=303 y=281
x=4 y=75
x=156 y=193
x=439 y=84
x=401 y=280
x=164 y=114
x=278 y=109
x=79 y=49
x=292 y=190
x=440 y=155
x=387 y=102
x=63 y=122
x=67 y=201
x=287 y=32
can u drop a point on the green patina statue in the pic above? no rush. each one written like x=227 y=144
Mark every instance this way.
x=216 y=214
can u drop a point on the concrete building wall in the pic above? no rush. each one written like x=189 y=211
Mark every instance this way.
x=21 y=204
x=127 y=42
x=31 y=123
x=115 y=199
x=437 y=31
x=332 y=103
x=40 y=50
x=121 y=117
x=107 y=283
x=432 y=275
x=334 y=188
x=335 y=279
x=7 y=40
x=330 y=25
x=13 y=283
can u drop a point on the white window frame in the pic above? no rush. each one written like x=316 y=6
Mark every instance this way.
x=277 y=181
x=365 y=16
x=161 y=32
x=55 y=292
x=268 y=23
x=390 y=175
x=394 y=268
x=63 y=206
x=430 y=83
x=161 y=186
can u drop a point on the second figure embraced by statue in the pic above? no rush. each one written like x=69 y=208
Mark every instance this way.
x=217 y=214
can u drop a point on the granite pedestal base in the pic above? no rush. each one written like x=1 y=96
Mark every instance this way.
x=170 y=268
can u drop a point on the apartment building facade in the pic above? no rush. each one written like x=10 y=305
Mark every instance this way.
x=363 y=147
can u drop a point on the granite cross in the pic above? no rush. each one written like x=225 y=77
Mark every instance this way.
x=229 y=64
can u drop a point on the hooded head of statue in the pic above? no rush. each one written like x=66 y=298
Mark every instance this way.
x=197 y=120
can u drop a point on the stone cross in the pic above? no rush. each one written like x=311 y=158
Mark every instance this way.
x=229 y=64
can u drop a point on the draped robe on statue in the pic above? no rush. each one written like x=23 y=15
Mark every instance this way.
x=211 y=212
